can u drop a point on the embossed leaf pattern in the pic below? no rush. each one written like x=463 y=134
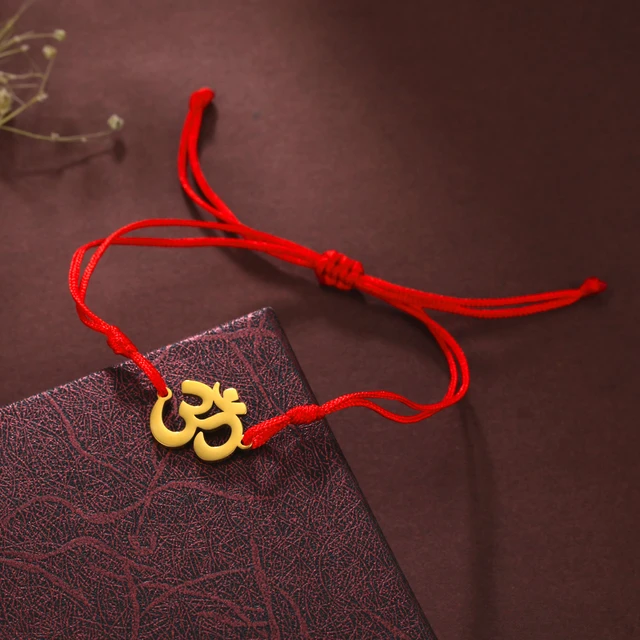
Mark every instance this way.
x=106 y=534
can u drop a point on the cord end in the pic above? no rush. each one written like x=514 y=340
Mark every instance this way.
x=201 y=99
x=593 y=286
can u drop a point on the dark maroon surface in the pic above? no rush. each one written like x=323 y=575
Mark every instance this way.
x=468 y=148
x=106 y=534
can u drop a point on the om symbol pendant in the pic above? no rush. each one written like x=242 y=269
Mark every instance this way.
x=229 y=407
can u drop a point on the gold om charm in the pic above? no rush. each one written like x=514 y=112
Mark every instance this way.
x=229 y=407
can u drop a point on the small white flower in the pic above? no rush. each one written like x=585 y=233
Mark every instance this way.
x=54 y=135
x=49 y=52
x=24 y=47
x=115 y=122
x=41 y=97
x=59 y=34
x=5 y=102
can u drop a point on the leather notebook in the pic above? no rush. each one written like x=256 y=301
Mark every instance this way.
x=106 y=534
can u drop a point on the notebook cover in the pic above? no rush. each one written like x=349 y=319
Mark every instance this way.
x=106 y=534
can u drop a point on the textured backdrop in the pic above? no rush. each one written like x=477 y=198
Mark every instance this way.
x=473 y=149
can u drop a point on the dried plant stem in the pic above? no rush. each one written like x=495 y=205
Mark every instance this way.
x=11 y=22
x=19 y=110
x=52 y=137
x=20 y=91
x=16 y=97
x=25 y=36
x=21 y=76
x=45 y=77
x=11 y=52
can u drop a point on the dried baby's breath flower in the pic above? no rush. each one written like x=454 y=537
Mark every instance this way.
x=115 y=122
x=6 y=100
x=49 y=52
x=20 y=91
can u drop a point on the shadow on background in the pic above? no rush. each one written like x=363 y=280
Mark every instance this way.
x=115 y=148
x=482 y=507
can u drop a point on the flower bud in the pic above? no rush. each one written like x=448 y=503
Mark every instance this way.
x=49 y=52
x=5 y=102
x=115 y=122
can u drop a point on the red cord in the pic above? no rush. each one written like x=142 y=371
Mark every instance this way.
x=331 y=269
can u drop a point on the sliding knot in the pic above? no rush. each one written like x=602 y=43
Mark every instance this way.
x=305 y=414
x=334 y=269
x=591 y=286
x=120 y=343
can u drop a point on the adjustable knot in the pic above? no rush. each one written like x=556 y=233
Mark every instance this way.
x=591 y=286
x=120 y=343
x=305 y=414
x=260 y=433
x=201 y=99
x=334 y=269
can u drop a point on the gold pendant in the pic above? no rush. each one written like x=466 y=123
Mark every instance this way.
x=229 y=407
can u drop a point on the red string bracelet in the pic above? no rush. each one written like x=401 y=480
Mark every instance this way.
x=331 y=269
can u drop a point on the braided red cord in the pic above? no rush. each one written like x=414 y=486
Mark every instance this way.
x=331 y=269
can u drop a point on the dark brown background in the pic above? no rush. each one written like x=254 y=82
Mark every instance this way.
x=468 y=148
